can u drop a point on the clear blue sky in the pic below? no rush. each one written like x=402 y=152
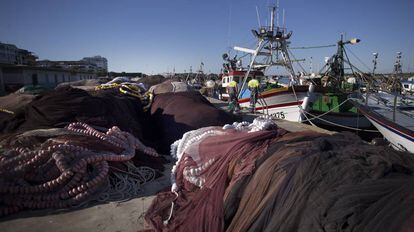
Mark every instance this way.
x=156 y=35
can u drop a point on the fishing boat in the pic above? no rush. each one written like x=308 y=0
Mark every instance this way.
x=271 y=50
x=408 y=86
x=198 y=80
x=332 y=107
x=279 y=101
x=396 y=124
x=390 y=112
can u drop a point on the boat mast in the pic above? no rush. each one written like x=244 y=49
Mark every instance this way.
x=340 y=61
x=272 y=43
x=336 y=68
x=272 y=26
x=272 y=17
x=396 y=81
x=374 y=61
x=188 y=75
x=397 y=65
x=199 y=72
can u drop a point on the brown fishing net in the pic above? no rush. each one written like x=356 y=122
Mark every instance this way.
x=173 y=114
x=232 y=153
x=58 y=108
x=271 y=181
x=15 y=101
x=170 y=86
x=13 y=104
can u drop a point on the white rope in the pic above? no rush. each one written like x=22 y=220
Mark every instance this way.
x=306 y=116
x=300 y=106
x=329 y=111
x=319 y=117
x=180 y=146
x=124 y=185
x=171 y=209
x=339 y=125
x=263 y=122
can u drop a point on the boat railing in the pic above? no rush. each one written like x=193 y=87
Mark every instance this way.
x=262 y=101
x=390 y=105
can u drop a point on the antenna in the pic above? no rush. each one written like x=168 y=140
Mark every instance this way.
x=272 y=18
x=284 y=25
x=374 y=61
x=229 y=26
x=311 y=65
x=258 y=17
x=277 y=9
x=397 y=65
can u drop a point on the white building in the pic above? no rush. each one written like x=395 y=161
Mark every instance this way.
x=99 y=61
x=87 y=64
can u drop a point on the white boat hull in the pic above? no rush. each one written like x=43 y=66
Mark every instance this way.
x=401 y=136
x=398 y=140
x=283 y=105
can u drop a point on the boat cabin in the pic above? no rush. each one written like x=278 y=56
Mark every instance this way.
x=408 y=87
x=238 y=76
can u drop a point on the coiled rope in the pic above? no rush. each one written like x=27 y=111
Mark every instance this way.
x=124 y=88
x=338 y=125
x=130 y=90
x=122 y=185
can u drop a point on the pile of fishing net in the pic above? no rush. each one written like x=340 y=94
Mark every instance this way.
x=170 y=86
x=260 y=178
x=173 y=114
x=46 y=162
x=82 y=84
x=15 y=101
x=149 y=81
x=58 y=108
x=12 y=104
x=68 y=167
x=33 y=89
x=170 y=116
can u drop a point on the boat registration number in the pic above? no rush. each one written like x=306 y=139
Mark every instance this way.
x=280 y=115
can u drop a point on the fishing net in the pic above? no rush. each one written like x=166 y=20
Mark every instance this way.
x=103 y=108
x=71 y=167
x=326 y=183
x=170 y=86
x=173 y=114
x=202 y=179
x=278 y=181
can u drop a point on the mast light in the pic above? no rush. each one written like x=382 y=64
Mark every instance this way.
x=354 y=41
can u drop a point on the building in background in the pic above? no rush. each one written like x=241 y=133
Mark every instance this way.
x=69 y=65
x=14 y=77
x=19 y=67
x=11 y=54
x=96 y=64
x=98 y=61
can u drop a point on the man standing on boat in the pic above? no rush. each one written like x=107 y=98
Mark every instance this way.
x=233 y=101
x=254 y=92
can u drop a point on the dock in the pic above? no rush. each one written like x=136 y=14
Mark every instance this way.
x=126 y=216
x=118 y=216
